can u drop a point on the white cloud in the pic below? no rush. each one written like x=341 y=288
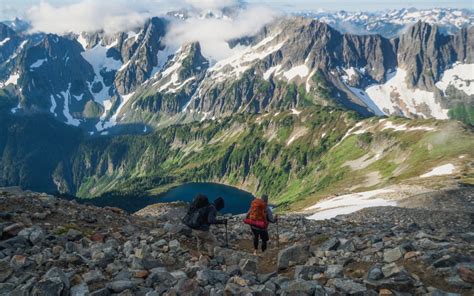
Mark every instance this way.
x=122 y=15
x=211 y=4
x=214 y=33
x=89 y=15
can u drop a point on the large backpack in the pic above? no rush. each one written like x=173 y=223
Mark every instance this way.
x=198 y=212
x=257 y=214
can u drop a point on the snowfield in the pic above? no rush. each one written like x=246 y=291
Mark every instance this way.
x=349 y=203
x=461 y=76
x=13 y=79
x=396 y=88
x=302 y=71
x=446 y=169
x=242 y=60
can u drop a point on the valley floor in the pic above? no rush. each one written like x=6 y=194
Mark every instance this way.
x=51 y=246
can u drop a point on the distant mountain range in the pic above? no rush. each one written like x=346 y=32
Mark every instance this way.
x=102 y=82
x=390 y=23
x=281 y=114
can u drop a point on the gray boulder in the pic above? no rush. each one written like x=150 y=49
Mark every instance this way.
x=302 y=287
x=392 y=255
x=293 y=256
x=306 y=272
x=349 y=287
x=5 y=271
x=119 y=286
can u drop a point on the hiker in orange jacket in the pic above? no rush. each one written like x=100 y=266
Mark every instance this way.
x=258 y=217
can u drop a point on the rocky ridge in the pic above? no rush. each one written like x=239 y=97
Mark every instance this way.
x=52 y=246
x=127 y=78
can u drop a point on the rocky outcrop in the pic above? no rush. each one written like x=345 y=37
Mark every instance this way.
x=9 y=42
x=52 y=246
x=170 y=90
x=141 y=56
x=425 y=53
x=53 y=74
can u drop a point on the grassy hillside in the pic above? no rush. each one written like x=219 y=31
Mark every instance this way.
x=295 y=157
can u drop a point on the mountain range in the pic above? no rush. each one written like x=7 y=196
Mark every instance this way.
x=391 y=23
x=269 y=118
x=96 y=80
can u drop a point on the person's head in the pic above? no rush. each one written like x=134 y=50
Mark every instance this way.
x=265 y=198
x=219 y=203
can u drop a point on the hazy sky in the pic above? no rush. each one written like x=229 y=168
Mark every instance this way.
x=12 y=8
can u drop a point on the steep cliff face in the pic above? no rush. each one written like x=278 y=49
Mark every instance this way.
x=9 y=42
x=140 y=55
x=426 y=53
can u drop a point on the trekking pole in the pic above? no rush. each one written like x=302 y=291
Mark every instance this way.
x=226 y=239
x=278 y=233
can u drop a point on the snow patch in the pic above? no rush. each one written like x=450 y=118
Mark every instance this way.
x=79 y=98
x=271 y=71
x=461 y=76
x=13 y=79
x=294 y=112
x=403 y=127
x=82 y=41
x=349 y=203
x=38 y=63
x=387 y=97
x=364 y=97
x=301 y=71
x=53 y=106
x=446 y=169
x=67 y=101
x=16 y=109
x=97 y=58
x=4 y=41
x=113 y=120
x=237 y=64
x=350 y=72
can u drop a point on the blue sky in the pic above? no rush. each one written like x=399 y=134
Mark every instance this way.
x=11 y=8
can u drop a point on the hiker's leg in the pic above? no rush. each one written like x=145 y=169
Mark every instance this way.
x=255 y=238
x=264 y=236
x=211 y=243
x=198 y=240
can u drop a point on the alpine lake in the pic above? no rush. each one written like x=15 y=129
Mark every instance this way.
x=236 y=201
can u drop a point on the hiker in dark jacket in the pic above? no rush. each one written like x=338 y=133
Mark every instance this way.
x=260 y=232
x=202 y=233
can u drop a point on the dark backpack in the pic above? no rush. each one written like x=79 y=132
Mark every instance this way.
x=198 y=212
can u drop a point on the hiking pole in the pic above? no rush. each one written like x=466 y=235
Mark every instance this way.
x=278 y=234
x=226 y=239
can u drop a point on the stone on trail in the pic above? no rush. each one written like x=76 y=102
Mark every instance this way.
x=334 y=271
x=392 y=255
x=349 y=287
x=5 y=271
x=466 y=274
x=248 y=265
x=302 y=287
x=306 y=272
x=119 y=286
x=80 y=290
x=330 y=245
x=292 y=256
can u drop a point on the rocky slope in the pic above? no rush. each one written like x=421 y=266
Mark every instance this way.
x=51 y=246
